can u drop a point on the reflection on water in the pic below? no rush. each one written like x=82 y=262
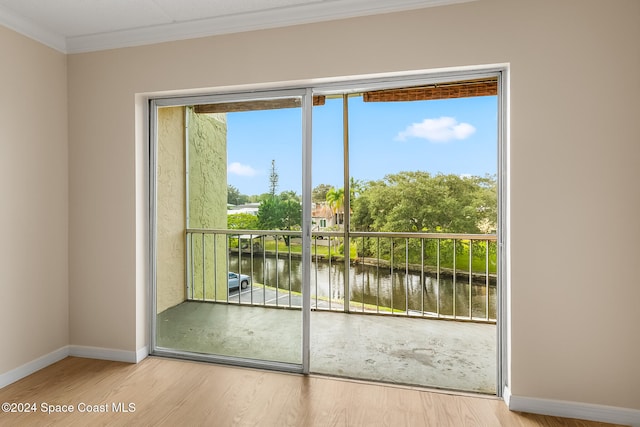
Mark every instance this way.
x=372 y=286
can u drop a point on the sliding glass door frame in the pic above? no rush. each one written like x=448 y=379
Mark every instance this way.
x=306 y=106
x=341 y=87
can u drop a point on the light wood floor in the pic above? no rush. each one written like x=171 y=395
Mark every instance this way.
x=173 y=392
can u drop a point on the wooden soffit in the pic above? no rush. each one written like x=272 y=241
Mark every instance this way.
x=263 y=104
x=448 y=90
x=459 y=89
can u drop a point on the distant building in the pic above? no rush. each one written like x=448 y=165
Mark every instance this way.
x=322 y=217
x=249 y=208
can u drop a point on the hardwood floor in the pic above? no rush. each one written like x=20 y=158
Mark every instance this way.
x=158 y=392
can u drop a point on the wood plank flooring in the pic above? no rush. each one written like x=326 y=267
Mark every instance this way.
x=165 y=392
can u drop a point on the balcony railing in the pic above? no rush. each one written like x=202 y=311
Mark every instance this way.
x=431 y=275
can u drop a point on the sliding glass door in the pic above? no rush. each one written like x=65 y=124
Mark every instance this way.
x=392 y=229
x=405 y=212
x=229 y=247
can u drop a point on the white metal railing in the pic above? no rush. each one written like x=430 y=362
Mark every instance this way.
x=434 y=275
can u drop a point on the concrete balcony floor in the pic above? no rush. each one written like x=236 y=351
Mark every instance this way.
x=413 y=351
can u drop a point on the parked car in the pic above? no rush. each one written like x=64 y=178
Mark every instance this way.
x=241 y=281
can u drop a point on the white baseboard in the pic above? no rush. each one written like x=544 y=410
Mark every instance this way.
x=561 y=408
x=72 y=350
x=103 y=353
x=142 y=353
x=506 y=395
x=33 y=366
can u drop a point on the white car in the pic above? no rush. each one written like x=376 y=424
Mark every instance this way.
x=241 y=281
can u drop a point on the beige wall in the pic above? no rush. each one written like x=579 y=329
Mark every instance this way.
x=34 y=278
x=574 y=160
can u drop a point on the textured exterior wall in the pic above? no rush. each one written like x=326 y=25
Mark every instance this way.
x=170 y=216
x=208 y=200
x=207 y=135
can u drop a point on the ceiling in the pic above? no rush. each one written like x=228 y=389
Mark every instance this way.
x=73 y=26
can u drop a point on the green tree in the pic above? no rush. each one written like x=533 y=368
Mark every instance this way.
x=418 y=201
x=273 y=179
x=282 y=212
x=363 y=217
x=355 y=187
x=242 y=221
x=291 y=211
x=270 y=214
x=319 y=193
x=234 y=197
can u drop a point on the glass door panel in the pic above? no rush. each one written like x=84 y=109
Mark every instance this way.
x=229 y=241
x=405 y=216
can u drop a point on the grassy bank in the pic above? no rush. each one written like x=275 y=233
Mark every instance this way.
x=446 y=258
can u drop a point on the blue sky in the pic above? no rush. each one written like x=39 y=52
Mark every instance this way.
x=456 y=136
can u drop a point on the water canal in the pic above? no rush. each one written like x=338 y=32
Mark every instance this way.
x=373 y=288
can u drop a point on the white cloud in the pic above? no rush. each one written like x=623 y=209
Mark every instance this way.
x=237 y=168
x=443 y=129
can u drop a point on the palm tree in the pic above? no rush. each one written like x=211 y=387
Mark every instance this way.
x=335 y=198
x=355 y=187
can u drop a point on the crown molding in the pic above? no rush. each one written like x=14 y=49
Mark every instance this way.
x=32 y=30
x=303 y=14
x=273 y=18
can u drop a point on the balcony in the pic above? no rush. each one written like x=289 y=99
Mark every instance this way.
x=421 y=307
